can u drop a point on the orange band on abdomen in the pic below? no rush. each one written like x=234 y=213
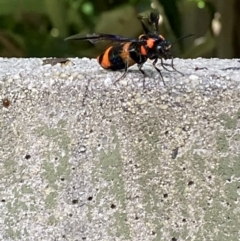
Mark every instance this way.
x=103 y=59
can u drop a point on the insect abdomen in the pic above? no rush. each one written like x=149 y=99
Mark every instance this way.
x=118 y=57
x=111 y=58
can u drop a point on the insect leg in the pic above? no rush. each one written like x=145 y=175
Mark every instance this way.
x=140 y=68
x=163 y=65
x=158 y=70
x=175 y=68
x=124 y=74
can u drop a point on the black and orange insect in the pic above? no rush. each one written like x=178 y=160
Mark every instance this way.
x=130 y=51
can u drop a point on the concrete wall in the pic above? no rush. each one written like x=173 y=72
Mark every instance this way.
x=84 y=159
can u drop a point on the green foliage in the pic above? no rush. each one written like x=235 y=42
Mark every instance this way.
x=173 y=15
x=37 y=28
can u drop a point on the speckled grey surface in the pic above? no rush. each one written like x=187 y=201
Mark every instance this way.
x=160 y=163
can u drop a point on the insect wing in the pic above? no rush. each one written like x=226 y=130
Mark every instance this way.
x=94 y=38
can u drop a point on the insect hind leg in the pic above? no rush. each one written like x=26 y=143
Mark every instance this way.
x=124 y=74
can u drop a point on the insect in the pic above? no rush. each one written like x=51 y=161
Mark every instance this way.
x=130 y=51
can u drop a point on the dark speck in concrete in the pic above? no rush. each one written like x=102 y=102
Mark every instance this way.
x=74 y=201
x=27 y=156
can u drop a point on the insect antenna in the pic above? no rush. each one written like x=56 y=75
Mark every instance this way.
x=170 y=46
x=177 y=40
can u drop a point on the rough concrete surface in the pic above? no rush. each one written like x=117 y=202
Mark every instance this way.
x=119 y=162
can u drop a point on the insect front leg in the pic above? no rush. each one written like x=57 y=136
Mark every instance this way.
x=175 y=68
x=172 y=66
x=163 y=65
x=158 y=70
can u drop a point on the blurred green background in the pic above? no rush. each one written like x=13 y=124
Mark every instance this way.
x=37 y=28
